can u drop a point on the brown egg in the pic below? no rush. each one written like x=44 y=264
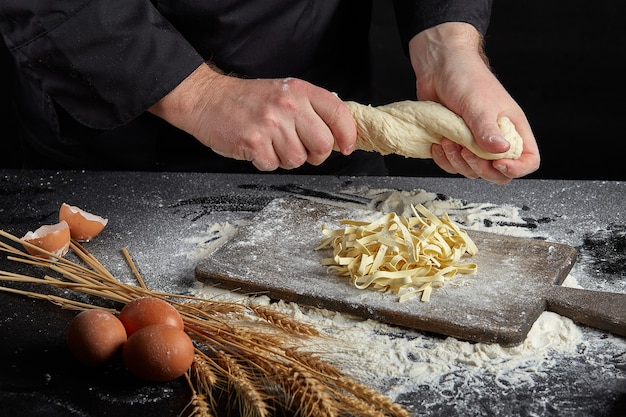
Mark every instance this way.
x=83 y=225
x=148 y=311
x=54 y=238
x=95 y=337
x=158 y=353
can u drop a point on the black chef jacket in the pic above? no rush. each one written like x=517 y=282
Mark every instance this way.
x=87 y=70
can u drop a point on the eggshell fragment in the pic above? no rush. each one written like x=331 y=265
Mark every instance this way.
x=158 y=353
x=147 y=311
x=84 y=226
x=54 y=238
x=96 y=337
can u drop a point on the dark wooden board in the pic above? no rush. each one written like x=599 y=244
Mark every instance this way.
x=275 y=255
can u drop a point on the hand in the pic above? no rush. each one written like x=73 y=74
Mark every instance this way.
x=450 y=69
x=272 y=123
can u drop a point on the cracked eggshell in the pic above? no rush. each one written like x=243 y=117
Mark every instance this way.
x=83 y=225
x=54 y=238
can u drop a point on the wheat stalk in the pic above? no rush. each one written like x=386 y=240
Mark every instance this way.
x=249 y=359
x=198 y=405
x=250 y=400
x=284 y=321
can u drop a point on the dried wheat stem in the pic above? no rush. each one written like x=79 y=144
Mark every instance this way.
x=356 y=406
x=371 y=396
x=11 y=276
x=250 y=400
x=194 y=313
x=284 y=321
x=133 y=267
x=211 y=330
x=309 y=397
x=100 y=290
x=197 y=406
x=80 y=275
x=313 y=362
x=29 y=259
x=212 y=307
x=117 y=292
x=251 y=356
x=62 y=265
x=25 y=257
x=204 y=370
x=60 y=301
x=8 y=248
x=228 y=340
x=93 y=262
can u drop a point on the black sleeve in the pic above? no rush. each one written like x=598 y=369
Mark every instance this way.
x=104 y=61
x=416 y=16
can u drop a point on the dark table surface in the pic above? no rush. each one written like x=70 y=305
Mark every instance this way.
x=152 y=214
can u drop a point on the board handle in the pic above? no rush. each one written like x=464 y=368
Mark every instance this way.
x=598 y=309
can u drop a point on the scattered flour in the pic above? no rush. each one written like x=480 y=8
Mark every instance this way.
x=376 y=353
x=206 y=243
x=504 y=220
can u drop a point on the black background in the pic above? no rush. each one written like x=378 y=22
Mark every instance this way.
x=563 y=62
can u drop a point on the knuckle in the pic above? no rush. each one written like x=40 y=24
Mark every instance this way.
x=290 y=83
x=295 y=158
x=265 y=164
x=295 y=162
x=253 y=141
x=322 y=145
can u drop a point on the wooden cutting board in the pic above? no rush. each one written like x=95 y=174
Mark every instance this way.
x=517 y=279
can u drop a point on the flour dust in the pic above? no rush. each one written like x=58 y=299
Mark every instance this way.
x=398 y=361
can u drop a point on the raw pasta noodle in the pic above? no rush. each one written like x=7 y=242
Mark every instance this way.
x=405 y=255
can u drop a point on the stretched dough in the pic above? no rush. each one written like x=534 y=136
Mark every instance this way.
x=409 y=128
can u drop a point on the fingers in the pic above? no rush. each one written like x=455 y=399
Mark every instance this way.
x=288 y=149
x=315 y=133
x=272 y=123
x=338 y=119
x=312 y=124
x=529 y=160
x=285 y=151
x=450 y=157
x=454 y=159
x=491 y=140
x=488 y=135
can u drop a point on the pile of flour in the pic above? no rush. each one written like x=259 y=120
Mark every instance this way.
x=376 y=353
x=398 y=361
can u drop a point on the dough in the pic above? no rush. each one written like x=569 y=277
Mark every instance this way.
x=409 y=128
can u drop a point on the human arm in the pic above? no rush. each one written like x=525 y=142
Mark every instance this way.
x=270 y=122
x=105 y=62
x=443 y=39
x=450 y=68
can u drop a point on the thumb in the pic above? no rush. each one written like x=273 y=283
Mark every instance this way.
x=488 y=136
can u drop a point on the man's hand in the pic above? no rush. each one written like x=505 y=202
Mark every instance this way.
x=451 y=69
x=272 y=123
